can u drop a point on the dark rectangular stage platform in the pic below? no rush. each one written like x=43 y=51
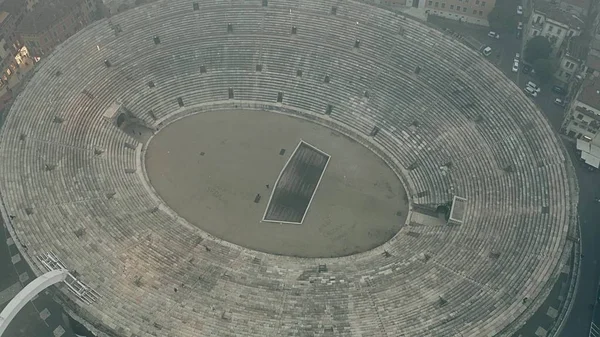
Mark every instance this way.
x=296 y=185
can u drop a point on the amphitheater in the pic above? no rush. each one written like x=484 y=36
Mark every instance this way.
x=441 y=117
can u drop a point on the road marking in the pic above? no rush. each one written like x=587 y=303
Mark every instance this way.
x=59 y=331
x=594 y=330
x=44 y=314
x=10 y=292
x=24 y=277
x=15 y=259
x=541 y=332
x=553 y=313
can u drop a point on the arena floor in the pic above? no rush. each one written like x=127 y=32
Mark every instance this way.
x=209 y=167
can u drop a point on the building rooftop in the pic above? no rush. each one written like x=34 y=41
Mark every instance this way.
x=554 y=12
x=593 y=59
x=578 y=47
x=590 y=93
x=45 y=14
x=583 y=4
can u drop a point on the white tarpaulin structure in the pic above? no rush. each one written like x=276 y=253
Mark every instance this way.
x=590 y=152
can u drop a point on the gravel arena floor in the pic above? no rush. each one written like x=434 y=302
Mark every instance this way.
x=209 y=167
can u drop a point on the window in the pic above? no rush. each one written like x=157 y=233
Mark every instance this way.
x=474 y=11
x=458 y=8
x=451 y=6
x=571 y=33
x=580 y=116
x=430 y=2
x=437 y=4
x=551 y=28
x=535 y=33
x=483 y=4
x=443 y=5
x=464 y=9
x=480 y=13
x=567 y=76
x=477 y=2
x=558 y=31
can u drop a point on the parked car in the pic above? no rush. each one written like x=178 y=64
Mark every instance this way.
x=487 y=51
x=520 y=25
x=557 y=89
x=517 y=56
x=515 y=67
x=560 y=102
x=519 y=34
x=494 y=35
x=526 y=69
x=533 y=86
x=520 y=10
x=531 y=92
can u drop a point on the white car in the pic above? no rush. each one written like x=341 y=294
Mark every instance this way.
x=533 y=86
x=487 y=51
x=531 y=92
x=515 y=67
x=517 y=56
x=520 y=26
x=560 y=102
x=520 y=10
x=494 y=35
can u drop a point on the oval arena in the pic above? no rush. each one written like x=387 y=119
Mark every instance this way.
x=126 y=157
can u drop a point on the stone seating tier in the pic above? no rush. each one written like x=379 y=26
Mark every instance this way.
x=455 y=126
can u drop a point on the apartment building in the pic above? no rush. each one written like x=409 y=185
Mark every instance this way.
x=555 y=23
x=572 y=58
x=583 y=118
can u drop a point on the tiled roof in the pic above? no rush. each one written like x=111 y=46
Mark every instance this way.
x=578 y=47
x=554 y=12
x=584 y=4
x=590 y=93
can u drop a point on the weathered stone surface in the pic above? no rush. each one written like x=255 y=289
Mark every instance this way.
x=507 y=248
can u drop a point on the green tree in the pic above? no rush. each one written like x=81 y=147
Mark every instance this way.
x=544 y=69
x=537 y=48
x=503 y=18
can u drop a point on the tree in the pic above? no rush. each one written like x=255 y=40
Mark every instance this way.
x=503 y=17
x=537 y=48
x=544 y=69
